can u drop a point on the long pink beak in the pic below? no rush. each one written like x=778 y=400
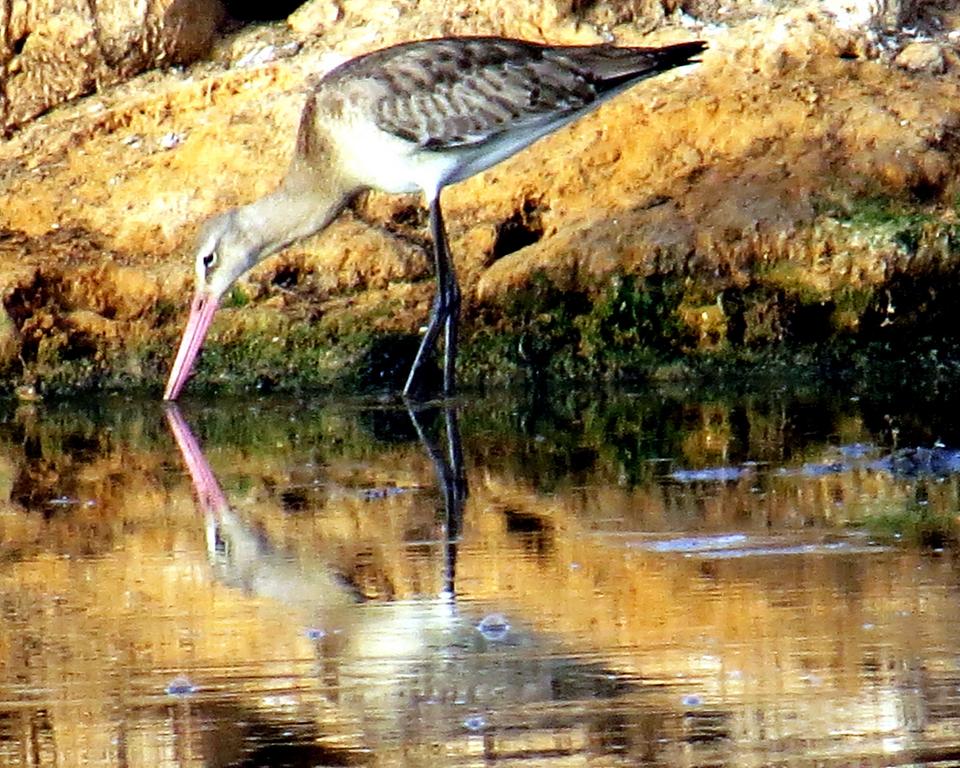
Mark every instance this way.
x=205 y=484
x=201 y=315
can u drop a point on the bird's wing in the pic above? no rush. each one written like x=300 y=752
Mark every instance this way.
x=448 y=94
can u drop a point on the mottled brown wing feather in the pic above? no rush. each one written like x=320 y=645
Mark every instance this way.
x=455 y=92
x=448 y=94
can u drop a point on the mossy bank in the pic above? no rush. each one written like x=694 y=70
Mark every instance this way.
x=777 y=321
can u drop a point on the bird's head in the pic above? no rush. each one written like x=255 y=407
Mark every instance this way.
x=225 y=250
x=233 y=242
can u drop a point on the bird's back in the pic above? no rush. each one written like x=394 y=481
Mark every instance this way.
x=450 y=92
x=462 y=104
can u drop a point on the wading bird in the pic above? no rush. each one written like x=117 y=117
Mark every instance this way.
x=413 y=117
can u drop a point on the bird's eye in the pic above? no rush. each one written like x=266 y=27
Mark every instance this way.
x=210 y=260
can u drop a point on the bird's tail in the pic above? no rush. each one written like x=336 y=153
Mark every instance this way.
x=670 y=56
x=614 y=66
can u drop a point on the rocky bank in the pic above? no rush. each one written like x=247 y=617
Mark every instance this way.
x=791 y=201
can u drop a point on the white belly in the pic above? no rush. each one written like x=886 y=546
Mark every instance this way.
x=391 y=164
x=386 y=162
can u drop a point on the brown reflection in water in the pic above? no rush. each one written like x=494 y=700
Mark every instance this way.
x=667 y=657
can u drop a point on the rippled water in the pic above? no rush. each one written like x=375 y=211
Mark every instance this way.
x=650 y=579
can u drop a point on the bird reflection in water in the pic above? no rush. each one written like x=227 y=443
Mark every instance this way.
x=223 y=525
x=413 y=673
x=452 y=481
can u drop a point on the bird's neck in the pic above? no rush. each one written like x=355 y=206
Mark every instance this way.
x=298 y=208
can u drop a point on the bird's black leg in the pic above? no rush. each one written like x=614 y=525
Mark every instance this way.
x=444 y=311
x=458 y=473
x=451 y=329
x=452 y=479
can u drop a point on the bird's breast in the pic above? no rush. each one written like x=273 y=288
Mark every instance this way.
x=381 y=160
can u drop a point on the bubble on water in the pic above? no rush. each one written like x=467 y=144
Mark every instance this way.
x=692 y=700
x=494 y=626
x=475 y=723
x=180 y=686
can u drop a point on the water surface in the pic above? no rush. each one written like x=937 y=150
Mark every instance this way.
x=633 y=579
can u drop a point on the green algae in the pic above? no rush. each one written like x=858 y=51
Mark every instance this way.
x=916 y=523
x=624 y=330
x=631 y=329
x=779 y=318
